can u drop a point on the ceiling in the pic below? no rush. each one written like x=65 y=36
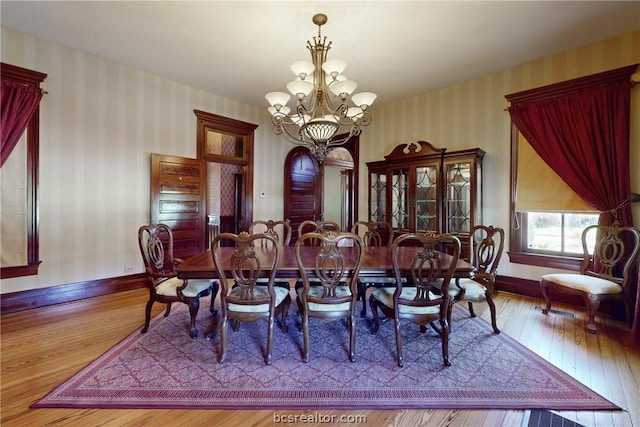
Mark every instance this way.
x=397 y=49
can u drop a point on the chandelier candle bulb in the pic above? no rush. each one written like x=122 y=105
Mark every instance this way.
x=321 y=93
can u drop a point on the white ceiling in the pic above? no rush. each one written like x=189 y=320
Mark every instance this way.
x=243 y=49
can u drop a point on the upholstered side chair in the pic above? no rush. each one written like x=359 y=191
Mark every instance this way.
x=331 y=295
x=486 y=243
x=242 y=298
x=322 y=227
x=609 y=253
x=373 y=233
x=281 y=230
x=156 y=246
x=420 y=303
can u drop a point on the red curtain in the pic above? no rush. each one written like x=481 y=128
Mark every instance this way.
x=584 y=138
x=19 y=102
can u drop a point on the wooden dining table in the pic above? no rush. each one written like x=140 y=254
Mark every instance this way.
x=376 y=261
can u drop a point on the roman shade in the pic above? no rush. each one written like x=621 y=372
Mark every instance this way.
x=539 y=188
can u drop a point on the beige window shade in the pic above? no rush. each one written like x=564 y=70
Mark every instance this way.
x=539 y=188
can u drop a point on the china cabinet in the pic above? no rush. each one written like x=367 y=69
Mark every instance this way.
x=422 y=188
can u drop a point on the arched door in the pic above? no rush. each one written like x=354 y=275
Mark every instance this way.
x=303 y=186
x=302 y=189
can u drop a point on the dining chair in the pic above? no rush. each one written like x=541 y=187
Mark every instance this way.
x=609 y=253
x=373 y=233
x=312 y=226
x=419 y=303
x=247 y=301
x=281 y=230
x=332 y=295
x=486 y=244
x=156 y=246
x=322 y=227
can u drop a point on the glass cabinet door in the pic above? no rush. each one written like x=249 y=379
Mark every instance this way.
x=458 y=197
x=399 y=199
x=378 y=196
x=426 y=198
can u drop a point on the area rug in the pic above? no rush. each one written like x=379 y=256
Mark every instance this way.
x=164 y=368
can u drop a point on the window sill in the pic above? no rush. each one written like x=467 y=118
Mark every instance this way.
x=24 y=270
x=541 y=260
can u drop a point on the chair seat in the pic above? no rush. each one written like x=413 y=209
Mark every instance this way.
x=584 y=283
x=473 y=291
x=260 y=292
x=382 y=280
x=385 y=296
x=194 y=287
x=316 y=291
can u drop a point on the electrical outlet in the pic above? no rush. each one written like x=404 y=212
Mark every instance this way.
x=129 y=269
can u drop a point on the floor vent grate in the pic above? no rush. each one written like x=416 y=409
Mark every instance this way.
x=544 y=418
x=558 y=312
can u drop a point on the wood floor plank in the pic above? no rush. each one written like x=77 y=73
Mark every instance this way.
x=43 y=347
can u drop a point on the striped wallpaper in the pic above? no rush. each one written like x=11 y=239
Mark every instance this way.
x=99 y=124
x=472 y=114
x=101 y=120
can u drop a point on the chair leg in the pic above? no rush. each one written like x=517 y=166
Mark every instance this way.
x=168 y=310
x=147 y=316
x=223 y=336
x=352 y=337
x=215 y=287
x=305 y=334
x=396 y=323
x=374 y=309
x=592 y=302
x=269 y=341
x=546 y=293
x=449 y=310
x=283 y=318
x=194 y=305
x=444 y=326
x=492 y=309
x=471 y=312
x=362 y=295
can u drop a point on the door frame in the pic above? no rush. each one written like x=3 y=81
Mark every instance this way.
x=353 y=147
x=213 y=122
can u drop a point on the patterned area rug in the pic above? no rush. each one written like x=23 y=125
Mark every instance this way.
x=166 y=369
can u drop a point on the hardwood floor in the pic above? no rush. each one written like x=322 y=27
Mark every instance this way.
x=43 y=347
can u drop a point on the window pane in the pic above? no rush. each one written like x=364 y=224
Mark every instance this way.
x=574 y=224
x=544 y=231
x=557 y=232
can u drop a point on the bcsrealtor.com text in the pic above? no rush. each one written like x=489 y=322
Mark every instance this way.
x=319 y=418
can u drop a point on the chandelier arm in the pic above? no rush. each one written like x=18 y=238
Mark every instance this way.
x=354 y=131
x=281 y=127
x=364 y=119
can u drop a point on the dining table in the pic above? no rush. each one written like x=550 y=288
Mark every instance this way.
x=376 y=261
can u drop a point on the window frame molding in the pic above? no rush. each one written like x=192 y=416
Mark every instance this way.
x=517 y=253
x=31 y=78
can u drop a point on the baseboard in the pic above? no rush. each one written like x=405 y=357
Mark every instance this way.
x=25 y=300
x=531 y=288
x=42 y=297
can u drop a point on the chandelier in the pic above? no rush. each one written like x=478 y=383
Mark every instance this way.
x=321 y=93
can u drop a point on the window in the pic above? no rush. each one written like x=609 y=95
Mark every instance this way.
x=546 y=221
x=30 y=231
x=556 y=233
